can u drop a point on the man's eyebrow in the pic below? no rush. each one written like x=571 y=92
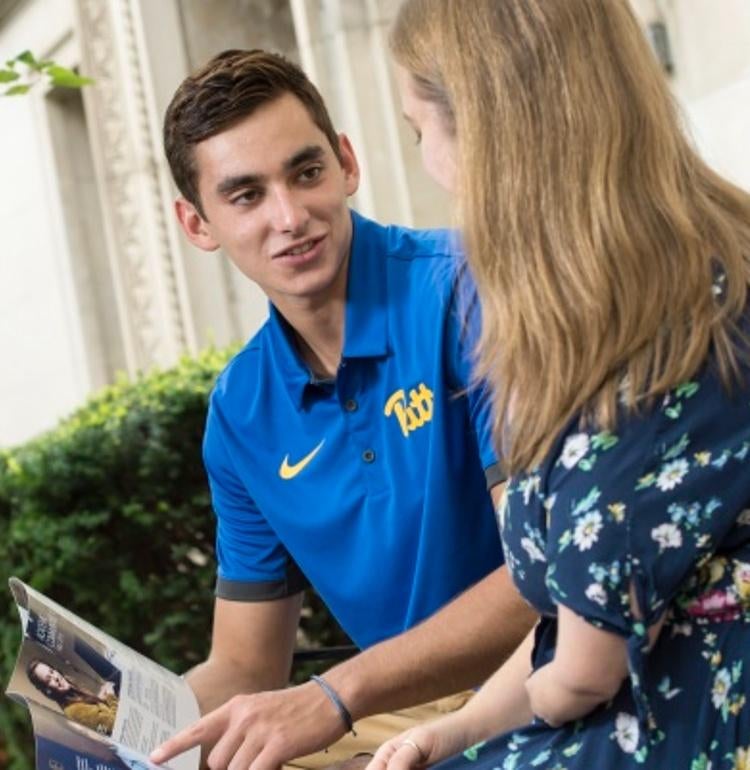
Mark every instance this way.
x=305 y=155
x=232 y=183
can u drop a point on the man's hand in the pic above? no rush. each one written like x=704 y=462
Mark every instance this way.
x=261 y=731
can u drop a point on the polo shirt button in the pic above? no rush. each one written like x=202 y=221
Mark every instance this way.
x=368 y=456
x=351 y=405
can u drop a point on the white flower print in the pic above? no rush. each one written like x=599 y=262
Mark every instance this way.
x=532 y=549
x=574 y=450
x=684 y=629
x=596 y=593
x=627 y=732
x=720 y=690
x=529 y=486
x=672 y=474
x=587 y=530
x=744 y=517
x=667 y=536
x=501 y=511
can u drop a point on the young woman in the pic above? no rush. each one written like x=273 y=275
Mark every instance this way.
x=96 y=712
x=613 y=269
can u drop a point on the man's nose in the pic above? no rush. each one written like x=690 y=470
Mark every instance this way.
x=289 y=214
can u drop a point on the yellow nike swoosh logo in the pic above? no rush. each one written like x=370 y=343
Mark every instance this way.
x=287 y=471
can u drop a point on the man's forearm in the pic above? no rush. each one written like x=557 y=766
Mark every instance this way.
x=502 y=704
x=214 y=683
x=457 y=648
x=251 y=650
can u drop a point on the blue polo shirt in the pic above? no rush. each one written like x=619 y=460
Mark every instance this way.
x=372 y=486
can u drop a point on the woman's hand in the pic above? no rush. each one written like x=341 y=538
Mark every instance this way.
x=423 y=745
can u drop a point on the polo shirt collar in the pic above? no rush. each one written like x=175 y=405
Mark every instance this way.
x=366 y=327
x=293 y=371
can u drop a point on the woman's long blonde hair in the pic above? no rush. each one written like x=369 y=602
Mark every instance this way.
x=593 y=229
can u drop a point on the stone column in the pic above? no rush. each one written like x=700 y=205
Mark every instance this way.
x=343 y=48
x=151 y=294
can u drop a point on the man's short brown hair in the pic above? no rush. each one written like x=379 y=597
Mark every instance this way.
x=225 y=90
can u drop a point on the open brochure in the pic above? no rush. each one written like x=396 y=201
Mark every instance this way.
x=95 y=704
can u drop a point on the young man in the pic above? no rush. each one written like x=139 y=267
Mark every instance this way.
x=344 y=444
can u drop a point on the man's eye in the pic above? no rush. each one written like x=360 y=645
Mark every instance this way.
x=310 y=174
x=246 y=197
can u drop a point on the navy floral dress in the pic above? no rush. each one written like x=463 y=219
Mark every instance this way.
x=663 y=503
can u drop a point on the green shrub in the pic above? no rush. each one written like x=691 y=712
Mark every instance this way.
x=109 y=514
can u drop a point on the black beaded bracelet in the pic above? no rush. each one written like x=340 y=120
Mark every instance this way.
x=333 y=696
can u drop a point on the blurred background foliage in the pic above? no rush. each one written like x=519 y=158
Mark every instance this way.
x=109 y=515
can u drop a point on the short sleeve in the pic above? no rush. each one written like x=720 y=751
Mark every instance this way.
x=253 y=565
x=463 y=327
x=648 y=505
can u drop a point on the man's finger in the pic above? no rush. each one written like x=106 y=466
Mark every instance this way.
x=234 y=749
x=239 y=757
x=266 y=760
x=205 y=729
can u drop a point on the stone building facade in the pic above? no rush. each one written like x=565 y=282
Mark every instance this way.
x=95 y=277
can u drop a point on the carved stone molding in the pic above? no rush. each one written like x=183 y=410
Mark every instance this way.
x=151 y=306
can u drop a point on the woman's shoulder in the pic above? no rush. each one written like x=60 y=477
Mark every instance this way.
x=704 y=420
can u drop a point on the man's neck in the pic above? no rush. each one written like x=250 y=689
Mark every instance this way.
x=320 y=339
x=318 y=326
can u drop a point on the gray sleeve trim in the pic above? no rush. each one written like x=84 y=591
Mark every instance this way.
x=263 y=590
x=494 y=475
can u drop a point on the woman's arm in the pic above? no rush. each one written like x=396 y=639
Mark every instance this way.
x=588 y=669
x=502 y=704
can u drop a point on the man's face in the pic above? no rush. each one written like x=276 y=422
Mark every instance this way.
x=275 y=199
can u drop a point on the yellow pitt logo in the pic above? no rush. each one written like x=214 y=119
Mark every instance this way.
x=414 y=413
x=287 y=471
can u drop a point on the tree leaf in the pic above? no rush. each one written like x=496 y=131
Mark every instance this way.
x=28 y=58
x=17 y=90
x=7 y=76
x=62 y=76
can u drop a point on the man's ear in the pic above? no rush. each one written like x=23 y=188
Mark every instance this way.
x=196 y=228
x=349 y=164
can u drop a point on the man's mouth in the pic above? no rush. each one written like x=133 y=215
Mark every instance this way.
x=300 y=249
